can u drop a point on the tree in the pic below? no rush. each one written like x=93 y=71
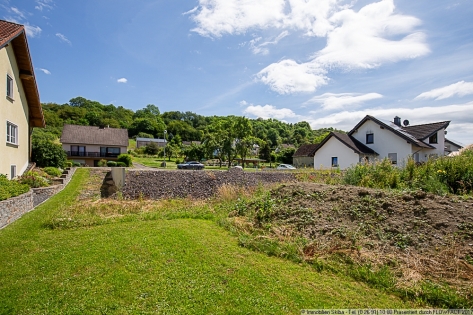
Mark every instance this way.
x=46 y=153
x=151 y=148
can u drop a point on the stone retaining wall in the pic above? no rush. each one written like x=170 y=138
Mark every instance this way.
x=13 y=208
x=197 y=184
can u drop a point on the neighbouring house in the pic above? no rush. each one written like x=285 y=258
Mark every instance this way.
x=304 y=156
x=452 y=146
x=20 y=106
x=88 y=145
x=142 y=142
x=374 y=138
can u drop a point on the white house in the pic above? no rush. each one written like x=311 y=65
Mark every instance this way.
x=373 y=138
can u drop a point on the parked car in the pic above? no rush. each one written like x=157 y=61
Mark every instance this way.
x=191 y=165
x=285 y=167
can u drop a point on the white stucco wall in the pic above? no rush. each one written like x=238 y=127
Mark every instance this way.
x=15 y=111
x=385 y=142
x=334 y=148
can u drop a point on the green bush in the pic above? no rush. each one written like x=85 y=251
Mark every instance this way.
x=46 y=153
x=11 y=188
x=125 y=159
x=111 y=163
x=102 y=163
x=34 y=179
x=69 y=163
x=121 y=164
x=76 y=164
x=53 y=171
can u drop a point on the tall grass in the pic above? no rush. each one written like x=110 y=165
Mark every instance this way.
x=439 y=176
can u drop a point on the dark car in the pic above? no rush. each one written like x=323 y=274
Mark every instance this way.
x=191 y=165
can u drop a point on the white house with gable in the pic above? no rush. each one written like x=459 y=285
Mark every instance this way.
x=373 y=138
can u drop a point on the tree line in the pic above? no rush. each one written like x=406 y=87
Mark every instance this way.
x=221 y=137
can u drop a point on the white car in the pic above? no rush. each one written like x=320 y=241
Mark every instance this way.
x=285 y=167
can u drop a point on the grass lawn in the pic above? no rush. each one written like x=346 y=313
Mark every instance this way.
x=185 y=266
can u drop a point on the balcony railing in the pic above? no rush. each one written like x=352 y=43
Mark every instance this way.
x=92 y=154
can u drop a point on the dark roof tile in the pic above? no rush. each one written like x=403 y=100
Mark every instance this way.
x=94 y=135
x=306 y=150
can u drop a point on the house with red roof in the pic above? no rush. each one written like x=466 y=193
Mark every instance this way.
x=20 y=106
x=374 y=139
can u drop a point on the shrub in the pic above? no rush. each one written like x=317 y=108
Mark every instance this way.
x=111 y=163
x=76 y=164
x=34 y=180
x=46 y=153
x=151 y=148
x=102 y=163
x=53 y=171
x=121 y=164
x=11 y=188
x=69 y=163
x=125 y=159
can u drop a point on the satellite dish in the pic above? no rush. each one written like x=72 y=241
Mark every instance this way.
x=406 y=122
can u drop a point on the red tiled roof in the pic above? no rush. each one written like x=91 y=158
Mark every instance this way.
x=75 y=134
x=9 y=31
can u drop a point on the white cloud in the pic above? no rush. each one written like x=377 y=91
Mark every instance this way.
x=46 y=71
x=32 y=31
x=122 y=80
x=63 y=38
x=365 y=39
x=18 y=12
x=331 y=101
x=262 y=48
x=243 y=103
x=217 y=17
x=269 y=111
x=41 y=4
x=287 y=76
x=460 y=89
x=346 y=120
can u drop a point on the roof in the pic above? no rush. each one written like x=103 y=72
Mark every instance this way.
x=349 y=141
x=15 y=34
x=400 y=131
x=424 y=131
x=150 y=140
x=306 y=150
x=92 y=135
x=454 y=142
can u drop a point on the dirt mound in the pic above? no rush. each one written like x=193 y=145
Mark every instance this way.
x=423 y=234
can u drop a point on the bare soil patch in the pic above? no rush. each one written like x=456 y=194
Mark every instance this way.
x=422 y=236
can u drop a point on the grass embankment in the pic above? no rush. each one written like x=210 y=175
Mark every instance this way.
x=79 y=254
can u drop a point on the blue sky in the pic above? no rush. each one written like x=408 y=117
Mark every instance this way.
x=328 y=62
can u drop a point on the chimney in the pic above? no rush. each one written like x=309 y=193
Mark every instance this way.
x=397 y=121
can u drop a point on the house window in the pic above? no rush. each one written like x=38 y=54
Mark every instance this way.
x=334 y=161
x=369 y=138
x=433 y=138
x=109 y=152
x=12 y=171
x=12 y=133
x=77 y=150
x=9 y=86
x=393 y=157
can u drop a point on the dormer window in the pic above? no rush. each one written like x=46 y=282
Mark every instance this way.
x=369 y=138
x=433 y=138
x=9 y=86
